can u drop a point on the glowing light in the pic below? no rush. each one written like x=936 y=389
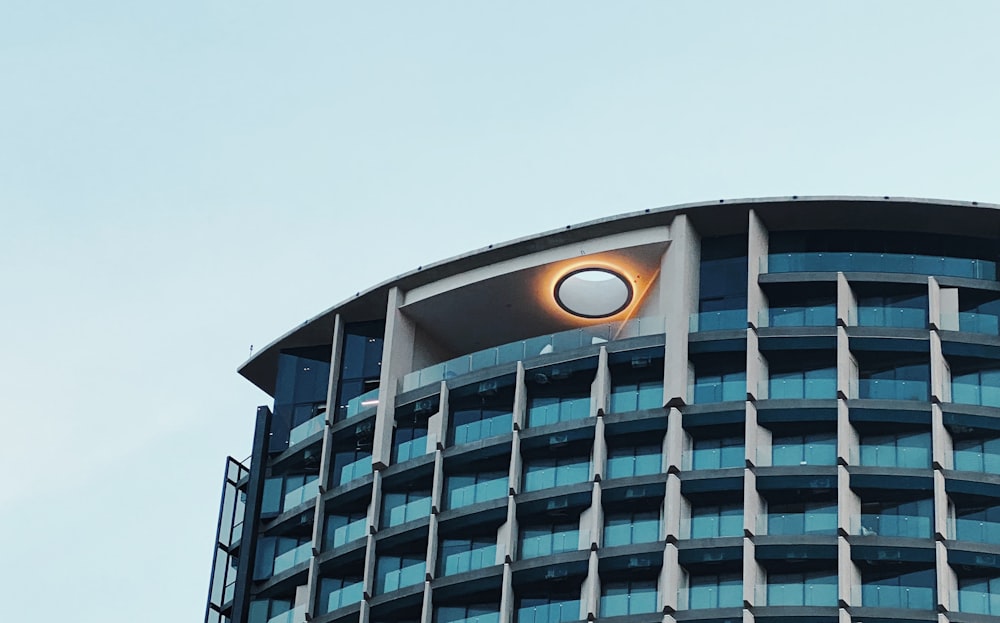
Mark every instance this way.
x=593 y=292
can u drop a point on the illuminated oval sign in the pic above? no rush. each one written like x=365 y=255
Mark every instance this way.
x=593 y=293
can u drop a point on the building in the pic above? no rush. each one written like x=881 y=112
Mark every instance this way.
x=768 y=411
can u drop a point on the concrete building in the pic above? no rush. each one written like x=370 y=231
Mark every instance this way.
x=770 y=410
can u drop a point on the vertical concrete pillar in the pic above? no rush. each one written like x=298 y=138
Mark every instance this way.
x=681 y=263
x=757 y=249
x=940 y=372
x=849 y=578
x=520 y=399
x=432 y=552
x=948 y=318
x=507 y=534
x=397 y=359
x=600 y=389
x=847 y=303
x=947 y=580
x=437 y=486
x=507 y=596
x=942 y=448
x=753 y=573
x=427 y=606
x=369 y=571
x=437 y=424
x=516 y=464
x=590 y=590
x=847 y=367
x=669 y=582
x=756 y=368
x=674 y=508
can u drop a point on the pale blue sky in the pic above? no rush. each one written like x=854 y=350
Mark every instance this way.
x=179 y=180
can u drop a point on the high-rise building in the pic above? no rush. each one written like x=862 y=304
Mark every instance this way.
x=760 y=411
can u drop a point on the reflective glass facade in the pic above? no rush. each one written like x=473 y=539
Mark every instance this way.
x=791 y=421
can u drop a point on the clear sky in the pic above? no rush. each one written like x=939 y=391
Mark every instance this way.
x=180 y=180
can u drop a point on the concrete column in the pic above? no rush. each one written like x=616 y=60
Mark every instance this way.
x=437 y=486
x=940 y=371
x=520 y=399
x=847 y=367
x=753 y=573
x=847 y=303
x=674 y=508
x=848 y=576
x=933 y=303
x=592 y=521
x=674 y=441
x=848 y=504
x=757 y=248
x=507 y=596
x=427 y=607
x=599 y=453
x=848 y=442
x=940 y=507
x=375 y=506
x=681 y=263
x=590 y=590
x=507 y=535
x=756 y=369
x=942 y=447
x=947 y=580
x=669 y=582
x=437 y=424
x=369 y=571
x=756 y=438
x=600 y=389
x=432 y=551
x=516 y=464
x=948 y=306
x=397 y=359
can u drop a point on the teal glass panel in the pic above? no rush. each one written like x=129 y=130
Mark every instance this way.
x=464 y=490
x=636 y=396
x=468 y=430
x=720 y=388
x=545 y=474
x=812 y=519
x=357 y=469
x=717 y=453
x=624 y=598
x=910 y=519
x=463 y=555
x=716 y=521
x=467 y=614
x=393 y=573
x=551 y=410
x=833 y=261
x=910 y=591
x=715 y=592
x=973 y=322
x=399 y=508
x=818 y=449
x=342 y=530
x=911 y=450
x=719 y=320
x=548 y=611
x=336 y=593
x=814 y=316
x=631 y=528
x=630 y=462
x=979 y=595
x=548 y=540
x=797 y=589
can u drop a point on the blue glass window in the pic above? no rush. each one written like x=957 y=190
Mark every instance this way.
x=722 y=290
x=547 y=473
x=337 y=593
x=978 y=455
x=802 y=589
x=720 y=387
x=399 y=508
x=631 y=597
x=629 y=528
x=342 y=529
x=980 y=525
x=899 y=450
x=462 y=555
x=274 y=611
x=543 y=410
x=981 y=387
x=820 y=315
x=718 y=453
x=472 y=613
x=815 y=383
x=361 y=363
x=715 y=591
x=981 y=318
x=979 y=595
x=481 y=411
x=905 y=519
x=396 y=572
x=709 y=522
x=546 y=540
x=466 y=489
x=275 y=555
x=802 y=518
x=554 y=609
x=818 y=449
x=634 y=461
x=911 y=382
x=908 y=590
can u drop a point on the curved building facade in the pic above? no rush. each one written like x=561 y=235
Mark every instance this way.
x=771 y=410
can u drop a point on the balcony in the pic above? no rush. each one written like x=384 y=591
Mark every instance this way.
x=829 y=262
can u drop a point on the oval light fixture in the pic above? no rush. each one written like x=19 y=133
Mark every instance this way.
x=593 y=292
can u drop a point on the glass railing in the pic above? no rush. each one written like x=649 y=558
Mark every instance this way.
x=341 y=597
x=907 y=453
x=411 y=449
x=891 y=389
x=557 y=612
x=977 y=531
x=294 y=615
x=718 y=320
x=300 y=495
x=406 y=576
x=481 y=429
x=891 y=317
x=352 y=471
x=728 y=522
x=625 y=600
x=306 y=429
x=462 y=562
x=628 y=531
x=364 y=402
x=715 y=458
x=978 y=601
x=634 y=465
x=550 y=410
x=881 y=263
x=408 y=511
x=812 y=316
x=725 y=594
x=637 y=398
x=548 y=543
x=973 y=322
x=348 y=532
x=532 y=347
x=720 y=391
x=287 y=560
x=820 y=452
x=539 y=477
x=874 y=595
x=466 y=495
x=909 y=526
x=808 y=388
x=818 y=591
x=445 y=614
x=977 y=461
x=975 y=394
x=818 y=522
